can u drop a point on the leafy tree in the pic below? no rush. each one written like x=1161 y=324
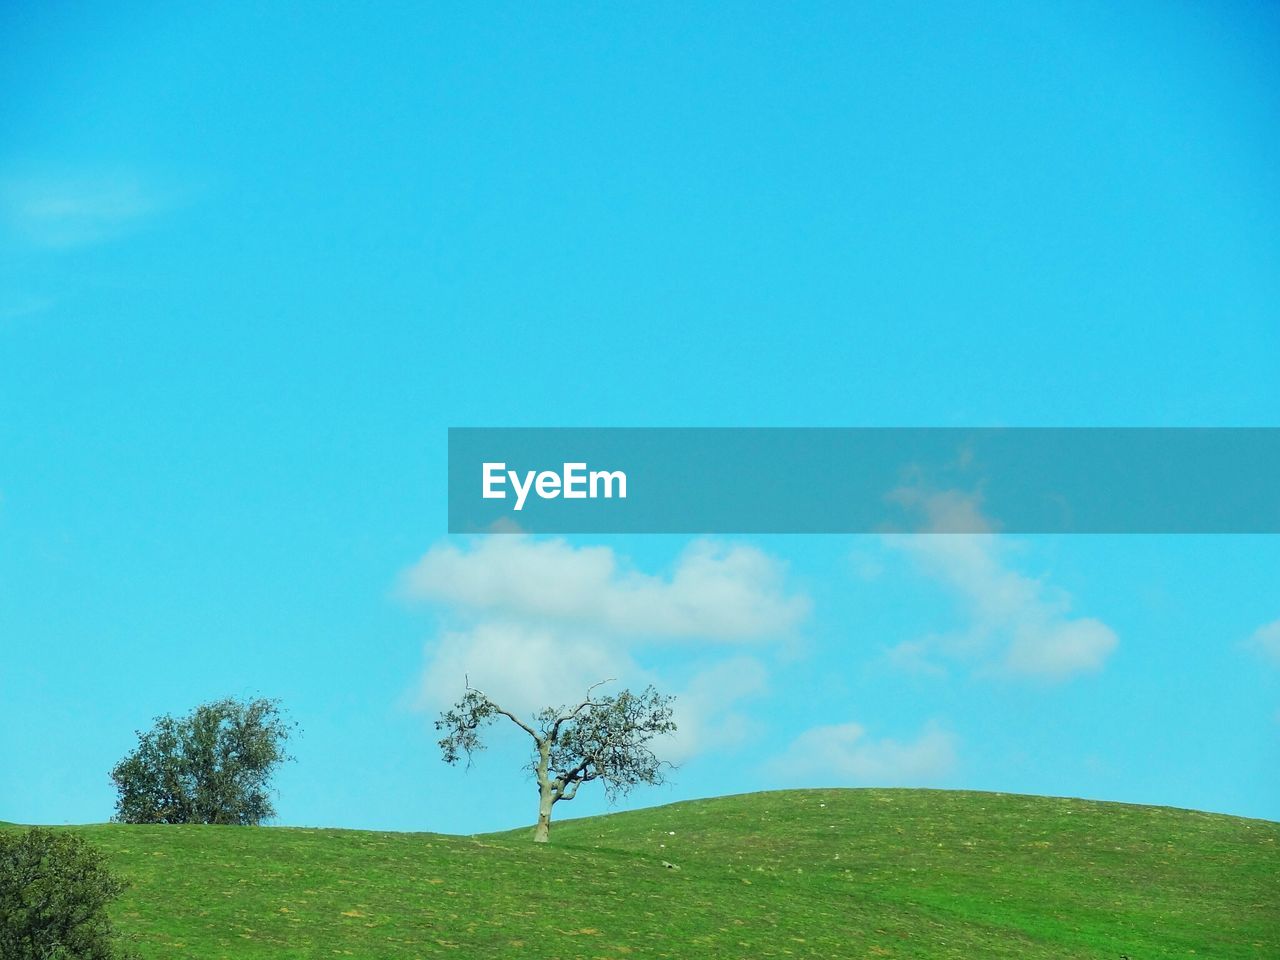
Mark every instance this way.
x=54 y=892
x=603 y=738
x=212 y=766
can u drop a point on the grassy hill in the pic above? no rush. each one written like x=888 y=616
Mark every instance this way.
x=816 y=873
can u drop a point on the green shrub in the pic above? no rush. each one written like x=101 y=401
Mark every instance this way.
x=212 y=766
x=54 y=892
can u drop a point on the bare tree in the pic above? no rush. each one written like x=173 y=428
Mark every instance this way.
x=602 y=738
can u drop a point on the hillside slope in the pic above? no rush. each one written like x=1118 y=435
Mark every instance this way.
x=819 y=873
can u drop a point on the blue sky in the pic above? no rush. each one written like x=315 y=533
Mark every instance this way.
x=254 y=263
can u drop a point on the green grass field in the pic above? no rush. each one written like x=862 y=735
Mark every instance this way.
x=815 y=873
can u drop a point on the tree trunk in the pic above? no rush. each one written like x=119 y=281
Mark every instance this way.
x=542 y=833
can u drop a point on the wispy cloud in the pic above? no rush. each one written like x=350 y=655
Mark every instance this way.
x=26 y=307
x=1016 y=624
x=60 y=213
x=843 y=754
x=709 y=714
x=1265 y=641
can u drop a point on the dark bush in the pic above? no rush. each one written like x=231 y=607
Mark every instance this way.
x=54 y=892
x=212 y=766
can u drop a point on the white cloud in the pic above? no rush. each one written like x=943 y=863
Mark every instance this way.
x=716 y=591
x=534 y=623
x=706 y=711
x=527 y=668
x=1266 y=641
x=843 y=754
x=524 y=667
x=26 y=307
x=1018 y=624
x=944 y=511
x=1059 y=647
x=71 y=212
x=915 y=656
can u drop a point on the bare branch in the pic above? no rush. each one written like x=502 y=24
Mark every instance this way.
x=587 y=702
x=504 y=712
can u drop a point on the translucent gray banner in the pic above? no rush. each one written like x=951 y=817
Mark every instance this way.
x=864 y=480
